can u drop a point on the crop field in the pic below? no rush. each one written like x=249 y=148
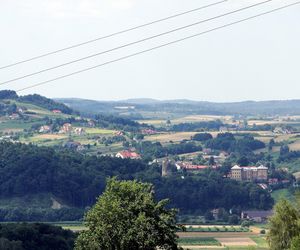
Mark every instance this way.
x=216 y=229
x=295 y=146
x=48 y=137
x=202 y=241
x=168 y=137
x=188 y=119
x=247 y=241
x=93 y=131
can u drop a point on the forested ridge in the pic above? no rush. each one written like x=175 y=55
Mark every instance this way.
x=78 y=179
x=35 y=99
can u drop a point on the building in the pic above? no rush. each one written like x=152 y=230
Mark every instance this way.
x=257 y=216
x=66 y=128
x=191 y=167
x=126 y=154
x=56 y=111
x=45 y=129
x=165 y=168
x=249 y=173
x=79 y=131
x=148 y=132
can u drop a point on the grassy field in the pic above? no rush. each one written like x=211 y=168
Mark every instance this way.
x=202 y=241
x=93 y=131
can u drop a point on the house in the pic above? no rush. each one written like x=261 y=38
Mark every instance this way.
x=148 y=132
x=126 y=154
x=91 y=124
x=282 y=131
x=66 y=128
x=257 y=216
x=250 y=173
x=56 y=111
x=79 y=131
x=14 y=116
x=119 y=133
x=44 y=129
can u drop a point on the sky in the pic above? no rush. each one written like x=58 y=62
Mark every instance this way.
x=254 y=60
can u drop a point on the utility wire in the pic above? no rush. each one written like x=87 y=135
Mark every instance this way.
x=112 y=34
x=160 y=46
x=135 y=42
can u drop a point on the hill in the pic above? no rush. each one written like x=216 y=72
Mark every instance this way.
x=32 y=173
x=144 y=107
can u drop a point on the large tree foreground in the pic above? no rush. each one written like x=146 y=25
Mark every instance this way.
x=126 y=216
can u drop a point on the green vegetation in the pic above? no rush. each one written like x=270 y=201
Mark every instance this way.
x=126 y=216
x=229 y=229
x=285 y=193
x=203 y=241
x=35 y=237
x=284 y=227
x=76 y=180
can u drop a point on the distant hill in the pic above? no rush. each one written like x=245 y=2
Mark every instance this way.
x=185 y=107
x=9 y=99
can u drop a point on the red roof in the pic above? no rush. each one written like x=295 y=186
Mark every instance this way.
x=129 y=154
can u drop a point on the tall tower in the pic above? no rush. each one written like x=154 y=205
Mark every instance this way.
x=165 y=168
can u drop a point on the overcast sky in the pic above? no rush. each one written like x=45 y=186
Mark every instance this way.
x=257 y=60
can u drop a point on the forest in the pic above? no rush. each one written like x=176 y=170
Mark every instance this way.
x=78 y=180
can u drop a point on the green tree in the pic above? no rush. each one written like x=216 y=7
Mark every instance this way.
x=127 y=217
x=295 y=244
x=284 y=226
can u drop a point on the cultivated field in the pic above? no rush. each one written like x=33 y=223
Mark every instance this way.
x=168 y=137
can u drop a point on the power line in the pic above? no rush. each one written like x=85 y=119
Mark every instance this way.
x=112 y=34
x=160 y=46
x=135 y=42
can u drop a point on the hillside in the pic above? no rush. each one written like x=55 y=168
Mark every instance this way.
x=74 y=180
x=148 y=107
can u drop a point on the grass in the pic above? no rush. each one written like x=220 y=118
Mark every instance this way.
x=194 y=241
x=260 y=241
x=93 y=131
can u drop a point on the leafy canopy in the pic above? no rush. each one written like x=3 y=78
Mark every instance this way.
x=284 y=227
x=127 y=217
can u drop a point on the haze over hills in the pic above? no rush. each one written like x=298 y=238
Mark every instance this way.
x=185 y=107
